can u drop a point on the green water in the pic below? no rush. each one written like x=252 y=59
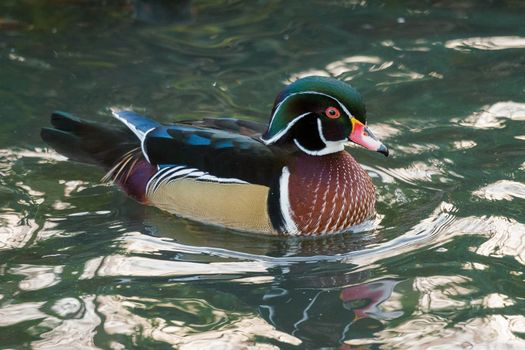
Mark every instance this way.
x=82 y=266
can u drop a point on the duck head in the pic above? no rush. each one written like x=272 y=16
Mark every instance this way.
x=319 y=115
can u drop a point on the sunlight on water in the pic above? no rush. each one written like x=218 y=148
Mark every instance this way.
x=440 y=267
x=487 y=43
x=493 y=117
x=503 y=189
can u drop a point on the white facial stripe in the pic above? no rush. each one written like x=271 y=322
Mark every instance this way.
x=336 y=147
x=285 y=130
x=304 y=93
x=331 y=146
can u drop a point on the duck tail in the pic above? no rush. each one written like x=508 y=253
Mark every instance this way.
x=114 y=148
x=89 y=142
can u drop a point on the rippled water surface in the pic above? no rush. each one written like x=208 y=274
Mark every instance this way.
x=82 y=266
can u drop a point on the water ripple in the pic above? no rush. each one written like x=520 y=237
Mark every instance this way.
x=430 y=332
x=487 y=43
x=121 y=320
x=502 y=190
x=493 y=117
x=37 y=276
x=123 y=265
x=82 y=266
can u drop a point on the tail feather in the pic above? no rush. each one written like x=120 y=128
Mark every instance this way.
x=87 y=141
x=66 y=144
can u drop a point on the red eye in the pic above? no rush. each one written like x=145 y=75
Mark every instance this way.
x=332 y=113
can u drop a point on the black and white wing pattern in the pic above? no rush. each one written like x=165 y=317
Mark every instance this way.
x=206 y=153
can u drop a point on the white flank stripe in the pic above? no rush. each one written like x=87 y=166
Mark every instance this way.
x=284 y=201
x=196 y=174
x=161 y=176
x=184 y=172
x=166 y=175
x=154 y=180
x=212 y=178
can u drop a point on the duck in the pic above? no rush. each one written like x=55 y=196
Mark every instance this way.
x=291 y=177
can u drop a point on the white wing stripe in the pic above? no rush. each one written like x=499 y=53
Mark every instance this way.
x=143 y=143
x=139 y=133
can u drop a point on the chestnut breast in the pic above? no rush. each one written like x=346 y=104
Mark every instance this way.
x=329 y=194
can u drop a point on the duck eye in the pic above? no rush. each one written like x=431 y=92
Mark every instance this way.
x=332 y=113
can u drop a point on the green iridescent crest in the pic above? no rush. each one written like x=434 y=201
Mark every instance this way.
x=312 y=95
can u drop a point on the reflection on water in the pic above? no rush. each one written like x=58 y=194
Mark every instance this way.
x=365 y=300
x=487 y=43
x=493 y=117
x=428 y=332
x=37 y=277
x=236 y=330
x=503 y=189
x=442 y=266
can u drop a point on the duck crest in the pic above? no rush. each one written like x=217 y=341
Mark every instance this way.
x=328 y=194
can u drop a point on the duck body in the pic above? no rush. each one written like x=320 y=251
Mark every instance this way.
x=292 y=177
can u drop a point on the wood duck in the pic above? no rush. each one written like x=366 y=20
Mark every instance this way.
x=292 y=177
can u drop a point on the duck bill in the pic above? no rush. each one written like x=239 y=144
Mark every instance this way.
x=362 y=135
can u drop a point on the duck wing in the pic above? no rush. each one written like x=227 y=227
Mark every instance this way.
x=237 y=126
x=220 y=154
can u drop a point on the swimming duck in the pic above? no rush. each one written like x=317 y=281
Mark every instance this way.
x=291 y=177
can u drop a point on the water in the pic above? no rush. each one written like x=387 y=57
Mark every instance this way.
x=82 y=266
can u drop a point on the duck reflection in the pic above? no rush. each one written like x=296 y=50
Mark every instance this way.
x=322 y=311
x=364 y=299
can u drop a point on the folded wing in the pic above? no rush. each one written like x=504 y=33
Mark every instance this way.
x=222 y=154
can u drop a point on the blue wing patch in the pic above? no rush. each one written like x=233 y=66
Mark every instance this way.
x=197 y=140
x=223 y=144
